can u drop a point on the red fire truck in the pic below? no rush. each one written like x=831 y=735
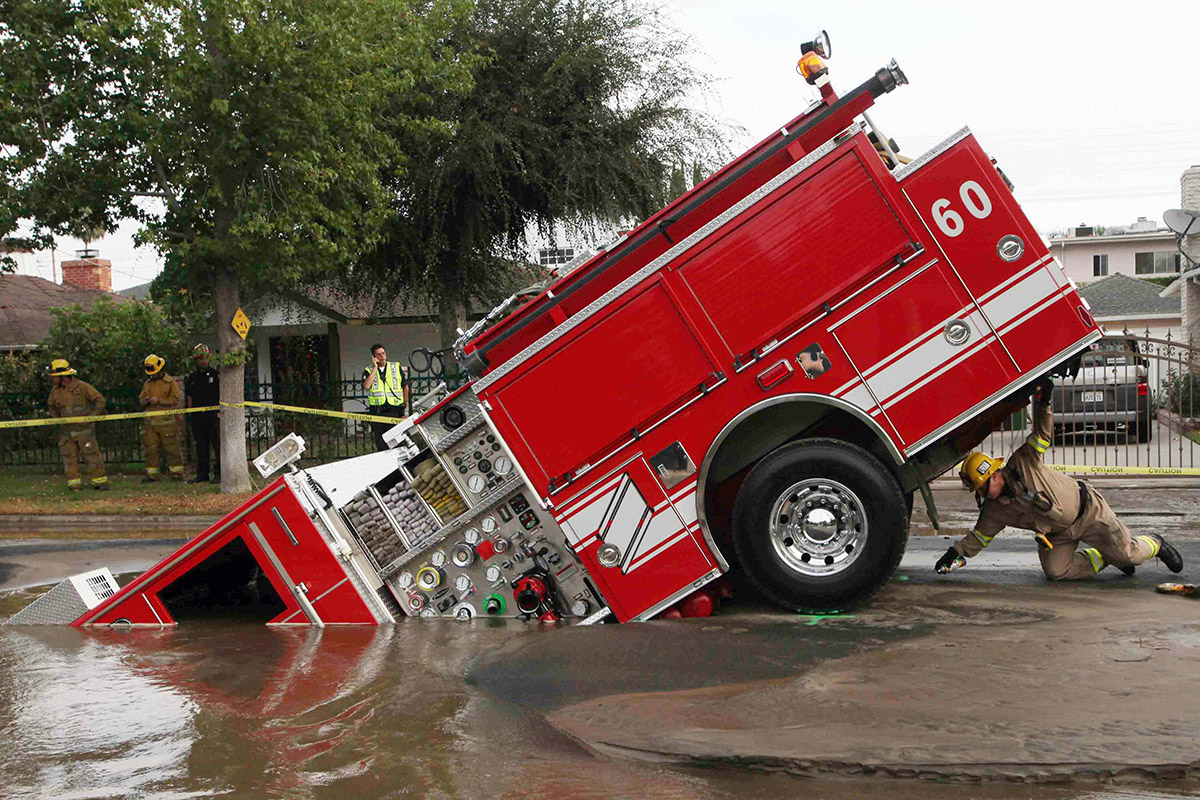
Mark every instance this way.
x=764 y=373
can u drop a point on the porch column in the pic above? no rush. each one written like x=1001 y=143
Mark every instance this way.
x=1189 y=197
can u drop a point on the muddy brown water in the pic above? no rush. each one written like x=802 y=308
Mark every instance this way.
x=416 y=709
x=247 y=711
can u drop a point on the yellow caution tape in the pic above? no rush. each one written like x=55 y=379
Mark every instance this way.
x=34 y=423
x=1096 y=469
x=322 y=412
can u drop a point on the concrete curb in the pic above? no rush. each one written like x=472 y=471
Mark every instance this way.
x=104 y=522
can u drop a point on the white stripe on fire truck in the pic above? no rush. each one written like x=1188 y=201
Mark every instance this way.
x=660 y=548
x=652 y=541
x=1003 y=328
x=1000 y=287
x=1011 y=303
x=929 y=355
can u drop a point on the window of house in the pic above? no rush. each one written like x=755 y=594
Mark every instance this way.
x=1159 y=262
x=300 y=368
x=1100 y=265
x=553 y=256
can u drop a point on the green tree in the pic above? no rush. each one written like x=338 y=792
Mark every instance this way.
x=108 y=342
x=252 y=138
x=579 y=117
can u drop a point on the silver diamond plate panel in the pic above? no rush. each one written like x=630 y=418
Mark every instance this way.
x=62 y=605
x=675 y=252
x=438 y=436
x=925 y=158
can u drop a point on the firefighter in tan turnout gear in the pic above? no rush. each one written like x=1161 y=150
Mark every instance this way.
x=71 y=397
x=1062 y=513
x=160 y=392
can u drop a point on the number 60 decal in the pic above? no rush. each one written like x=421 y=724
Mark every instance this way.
x=978 y=204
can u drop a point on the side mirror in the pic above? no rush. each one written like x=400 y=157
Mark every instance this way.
x=1182 y=221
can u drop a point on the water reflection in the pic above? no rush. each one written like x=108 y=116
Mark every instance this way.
x=250 y=711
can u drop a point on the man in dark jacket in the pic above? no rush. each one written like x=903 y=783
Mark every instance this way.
x=203 y=388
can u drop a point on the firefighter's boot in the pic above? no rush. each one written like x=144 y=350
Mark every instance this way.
x=1127 y=570
x=1167 y=554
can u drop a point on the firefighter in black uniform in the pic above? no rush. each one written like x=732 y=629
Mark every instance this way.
x=203 y=388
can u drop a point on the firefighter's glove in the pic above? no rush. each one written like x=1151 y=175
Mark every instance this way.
x=1044 y=389
x=951 y=560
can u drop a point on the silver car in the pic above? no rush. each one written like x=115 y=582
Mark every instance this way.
x=1110 y=392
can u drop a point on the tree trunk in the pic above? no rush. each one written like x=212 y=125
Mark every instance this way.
x=451 y=317
x=235 y=477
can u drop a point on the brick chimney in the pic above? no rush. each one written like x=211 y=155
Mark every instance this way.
x=87 y=271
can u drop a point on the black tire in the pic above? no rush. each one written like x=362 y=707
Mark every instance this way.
x=1145 y=429
x=881 y=540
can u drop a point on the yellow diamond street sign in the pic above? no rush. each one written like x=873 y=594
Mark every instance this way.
x=241 y=323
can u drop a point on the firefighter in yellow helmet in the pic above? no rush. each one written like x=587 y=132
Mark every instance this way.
x=160 y=392
x=1063 y=513
x=71 y=397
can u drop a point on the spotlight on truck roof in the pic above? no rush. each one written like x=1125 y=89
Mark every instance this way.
x=819 y=45
x=281 y=454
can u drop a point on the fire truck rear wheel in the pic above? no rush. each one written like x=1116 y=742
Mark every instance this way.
x=820 y=525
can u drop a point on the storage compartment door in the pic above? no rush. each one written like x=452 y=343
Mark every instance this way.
x=924 y=351
x=978 y=225
x=657 y=548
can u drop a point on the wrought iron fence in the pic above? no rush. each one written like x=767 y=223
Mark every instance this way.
x=326 y=438
x=1133 y=406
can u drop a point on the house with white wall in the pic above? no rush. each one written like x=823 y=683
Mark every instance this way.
x=1142 y=249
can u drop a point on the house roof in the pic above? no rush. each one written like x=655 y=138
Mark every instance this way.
x=139 y=292
x=1123 y=296
x=25 y=303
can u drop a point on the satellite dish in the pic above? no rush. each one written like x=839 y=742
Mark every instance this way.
x=1182 y=221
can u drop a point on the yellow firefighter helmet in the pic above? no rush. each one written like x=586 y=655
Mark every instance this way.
x=977 y=468
x=60 y=367
x=154 y=364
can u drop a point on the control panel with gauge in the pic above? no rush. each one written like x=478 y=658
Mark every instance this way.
x=508 y=561
x=452 y=531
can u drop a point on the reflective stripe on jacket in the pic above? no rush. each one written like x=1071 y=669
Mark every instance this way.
x=388 y=388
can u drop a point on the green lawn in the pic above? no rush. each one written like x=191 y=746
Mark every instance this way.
x=25 y=490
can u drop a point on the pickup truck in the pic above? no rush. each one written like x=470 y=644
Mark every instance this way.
x=1109 y=392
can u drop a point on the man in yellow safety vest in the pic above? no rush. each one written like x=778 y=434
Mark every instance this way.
x=386 y=392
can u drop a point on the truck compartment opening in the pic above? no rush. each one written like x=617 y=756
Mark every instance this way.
x=230 y=584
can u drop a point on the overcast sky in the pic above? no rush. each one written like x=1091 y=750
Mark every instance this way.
x=1092 y=109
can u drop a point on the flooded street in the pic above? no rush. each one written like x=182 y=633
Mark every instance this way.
x=751 y=703
x=247 y=711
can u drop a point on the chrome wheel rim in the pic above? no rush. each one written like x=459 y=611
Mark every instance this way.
x=818 y=527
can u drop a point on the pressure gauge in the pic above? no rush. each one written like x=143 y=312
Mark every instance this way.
x=476 y=483
x=462 y=583
x=437 y=558
x=493 y=574
x=428 y=612
x=581 y=607
x=488 y=524
x=404 y=580
x=471 y=536
x=503 y=465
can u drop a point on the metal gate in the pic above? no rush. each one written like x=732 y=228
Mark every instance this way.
x=1132 y=408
